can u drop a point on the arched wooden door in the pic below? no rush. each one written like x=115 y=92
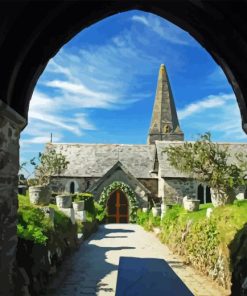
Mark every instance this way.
x=118 y=208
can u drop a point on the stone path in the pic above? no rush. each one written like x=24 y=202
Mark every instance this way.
x=93 y=269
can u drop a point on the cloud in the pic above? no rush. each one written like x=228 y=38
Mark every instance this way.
x=164 y=29
x=141 y=19
x=211 y=101
x=218 y=114
x=217 y=80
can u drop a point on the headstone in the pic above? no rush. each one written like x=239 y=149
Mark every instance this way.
x=209 y=212
x=64 y=201
x=191 y=205
x=156 y=211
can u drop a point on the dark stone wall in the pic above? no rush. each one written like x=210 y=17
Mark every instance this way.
x=34 y=31
x=10 y=125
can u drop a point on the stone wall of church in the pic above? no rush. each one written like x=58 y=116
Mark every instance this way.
x=151 y=185
x=174 y=190
x=62 y=184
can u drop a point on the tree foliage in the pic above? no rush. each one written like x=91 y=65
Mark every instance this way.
x=209 y=162
x=50 y=163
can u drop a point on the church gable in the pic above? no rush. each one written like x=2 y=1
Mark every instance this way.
x=118 y=173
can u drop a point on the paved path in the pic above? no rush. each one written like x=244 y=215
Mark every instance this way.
x=93 y=269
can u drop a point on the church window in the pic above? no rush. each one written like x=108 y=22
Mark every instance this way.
x=72 y=187
x=200 y=193
x=208 y=195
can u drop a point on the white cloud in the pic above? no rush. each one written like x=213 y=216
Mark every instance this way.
x=211 y=101
x=40 y=140
x=164 y=29
x=218 y=114
x=217 y=79
x=141 y=19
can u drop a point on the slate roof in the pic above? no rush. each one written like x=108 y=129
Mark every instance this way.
x=167 y=171
x=94 y=160
x=118 y=165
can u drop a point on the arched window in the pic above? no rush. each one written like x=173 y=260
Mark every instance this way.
x=200 y=193
x=208 y=195
x=245 y=193
x=72 y=187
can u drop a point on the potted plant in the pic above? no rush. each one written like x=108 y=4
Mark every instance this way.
x=210 y=163
x=50 y=163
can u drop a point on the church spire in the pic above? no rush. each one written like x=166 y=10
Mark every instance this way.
x=164 y=124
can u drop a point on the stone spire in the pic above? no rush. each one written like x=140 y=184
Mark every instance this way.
x=164 y=124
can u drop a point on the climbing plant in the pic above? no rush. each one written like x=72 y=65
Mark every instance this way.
x=129 y=193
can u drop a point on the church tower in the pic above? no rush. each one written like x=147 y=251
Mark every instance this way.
x=164 y=124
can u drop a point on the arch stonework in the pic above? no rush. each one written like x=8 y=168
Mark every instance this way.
x=27 y=43
x=33 y=32
x=133 y=202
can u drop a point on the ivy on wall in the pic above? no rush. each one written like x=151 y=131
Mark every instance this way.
x=125 y=189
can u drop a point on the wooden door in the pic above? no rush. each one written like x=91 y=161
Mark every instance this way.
x=118 y=208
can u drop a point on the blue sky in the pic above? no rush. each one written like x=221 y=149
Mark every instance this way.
x=100 y=87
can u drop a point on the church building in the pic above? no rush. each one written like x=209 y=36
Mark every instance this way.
x=125 y=177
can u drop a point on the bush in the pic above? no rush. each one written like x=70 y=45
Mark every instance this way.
x=33 y=225
x=147 y=220
x=100 y=212
x=142 y=217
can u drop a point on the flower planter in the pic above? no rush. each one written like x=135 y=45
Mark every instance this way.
x=64 y=201
x=220 y=197
x=156 y=211
x=191 y=205
x=78 y=205
x=39 y=195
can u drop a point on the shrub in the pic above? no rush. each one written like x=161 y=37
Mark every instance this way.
x=147 y=220
x=33 y=225
x=100 y=212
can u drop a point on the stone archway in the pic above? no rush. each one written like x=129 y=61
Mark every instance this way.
x=127 y=191
x=32 y=33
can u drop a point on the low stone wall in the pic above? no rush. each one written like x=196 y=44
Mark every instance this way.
x=37 y=264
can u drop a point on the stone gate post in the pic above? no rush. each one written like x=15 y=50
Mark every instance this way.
x=11 y=123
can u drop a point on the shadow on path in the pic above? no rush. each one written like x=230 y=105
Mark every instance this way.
x=148 y=276
x=84 y=271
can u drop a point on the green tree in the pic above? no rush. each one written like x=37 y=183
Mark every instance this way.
x=50 y=163
x=210 y=163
